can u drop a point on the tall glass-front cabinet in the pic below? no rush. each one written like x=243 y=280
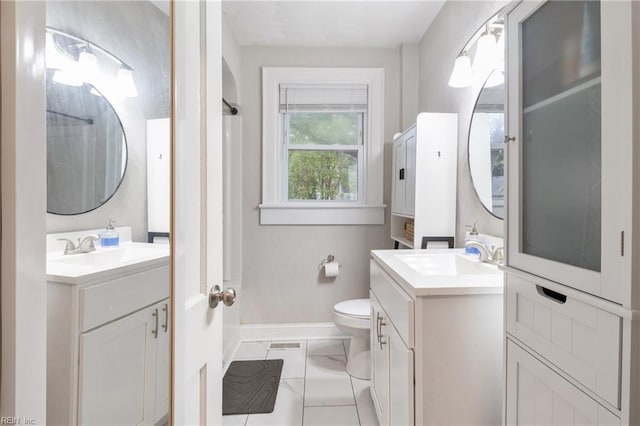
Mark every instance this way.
x=573 y=344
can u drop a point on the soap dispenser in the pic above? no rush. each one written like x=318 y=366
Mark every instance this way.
x=110 y=237
x=471 y=236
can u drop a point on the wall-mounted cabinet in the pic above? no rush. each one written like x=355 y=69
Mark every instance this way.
x=424 y=180
x=572 y=331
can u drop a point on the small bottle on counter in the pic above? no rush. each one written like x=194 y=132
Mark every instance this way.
x=110 y=237
x=471 y=236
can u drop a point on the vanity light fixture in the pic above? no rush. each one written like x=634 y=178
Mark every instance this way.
x=124 y=82
x=485 y=58
x=461 y=76
x=495 y=79
x=76 y=62
x=88 y=66
x=488 y=54
x=67 y=77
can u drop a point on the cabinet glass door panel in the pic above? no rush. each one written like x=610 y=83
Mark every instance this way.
x=561 y=133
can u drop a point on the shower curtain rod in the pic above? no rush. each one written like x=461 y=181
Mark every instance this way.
x=232 y=109
x=86 y=120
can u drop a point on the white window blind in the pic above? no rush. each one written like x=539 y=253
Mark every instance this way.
x=321 y=97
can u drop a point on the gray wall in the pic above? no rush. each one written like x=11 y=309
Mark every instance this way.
x=117 y=27
x=440 y=45
x=281 y=282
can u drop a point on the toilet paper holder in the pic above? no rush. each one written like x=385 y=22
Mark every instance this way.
x=330 y=258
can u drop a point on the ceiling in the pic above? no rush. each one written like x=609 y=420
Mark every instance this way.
x=330 y=22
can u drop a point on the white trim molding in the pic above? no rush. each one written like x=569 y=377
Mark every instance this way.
x=291 y=331
x=281 y=214
x=275 y=210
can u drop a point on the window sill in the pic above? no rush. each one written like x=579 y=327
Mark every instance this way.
x=296 y=214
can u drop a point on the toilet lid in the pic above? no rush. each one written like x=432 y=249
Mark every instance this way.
x=360 y=308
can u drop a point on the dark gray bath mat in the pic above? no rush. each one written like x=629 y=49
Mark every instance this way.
x=251 y=387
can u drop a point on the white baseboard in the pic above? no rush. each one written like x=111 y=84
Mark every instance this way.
x=296 y=331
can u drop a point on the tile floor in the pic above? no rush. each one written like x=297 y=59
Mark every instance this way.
x=315 y=390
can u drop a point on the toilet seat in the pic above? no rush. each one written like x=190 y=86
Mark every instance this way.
x=355 y=308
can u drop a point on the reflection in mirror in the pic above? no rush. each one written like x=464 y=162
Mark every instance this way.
x=486 y=146
x=86 y=144
x=86 y=148
x=480 y=63
x=108 y=87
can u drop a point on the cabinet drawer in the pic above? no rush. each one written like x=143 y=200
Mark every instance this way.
x=582 y=340
x=397 y=304
x=110 y=300
x=537 y=395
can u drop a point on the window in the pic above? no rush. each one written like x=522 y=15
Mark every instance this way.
x=322 y=149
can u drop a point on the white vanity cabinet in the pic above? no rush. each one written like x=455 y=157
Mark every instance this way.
x=108 y=349
x=572 y=293
x=436 y=348
x=392 y=370
x=380 y=366
x=424 y=179
x=123 y=369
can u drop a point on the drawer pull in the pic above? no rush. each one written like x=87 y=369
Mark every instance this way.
x=165 y=309
x=380 y=323
x=155 y=330
x=550 y=294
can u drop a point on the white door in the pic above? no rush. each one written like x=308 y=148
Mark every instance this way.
x=401 y=392
x=569 y=164
x=117 y=371
x=163 y=362
x=540 y=396
x=197 y=212
x=410 y=175
x=379 y=362
x=399 y=179
x=23 y=164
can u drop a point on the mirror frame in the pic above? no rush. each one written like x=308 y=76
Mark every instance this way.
x=126 y=163
x=473 y=184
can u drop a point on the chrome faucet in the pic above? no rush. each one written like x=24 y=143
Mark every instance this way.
x=85 y=245
x=487 y=255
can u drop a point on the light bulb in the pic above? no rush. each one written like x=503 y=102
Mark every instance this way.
x=485 y=57
x=87 y=66
x=495 y=79
x=125 y=85
x=67 y=77
x=461 y=75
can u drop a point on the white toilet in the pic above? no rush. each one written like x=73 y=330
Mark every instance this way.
x=353 y=318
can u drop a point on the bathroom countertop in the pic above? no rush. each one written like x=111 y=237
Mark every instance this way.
x=106 y=263
x=440 y=272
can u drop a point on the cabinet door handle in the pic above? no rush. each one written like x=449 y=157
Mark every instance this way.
x=155 y=330
x=402 y=174
x=380 y=324
x=165 y=309
x=550 y=294
x=378 y=327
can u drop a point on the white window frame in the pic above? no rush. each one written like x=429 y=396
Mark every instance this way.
x=275 y=208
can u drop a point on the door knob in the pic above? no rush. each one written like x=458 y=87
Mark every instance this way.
x=216 y=295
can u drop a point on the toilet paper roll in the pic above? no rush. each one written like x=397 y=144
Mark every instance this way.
x=331 y=269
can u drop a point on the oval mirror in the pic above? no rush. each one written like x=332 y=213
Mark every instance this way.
x=486 y=145
x=86 y=148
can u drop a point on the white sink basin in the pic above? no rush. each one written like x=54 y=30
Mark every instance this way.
x=440 y=272
x=112 y=261
x=446 y=264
